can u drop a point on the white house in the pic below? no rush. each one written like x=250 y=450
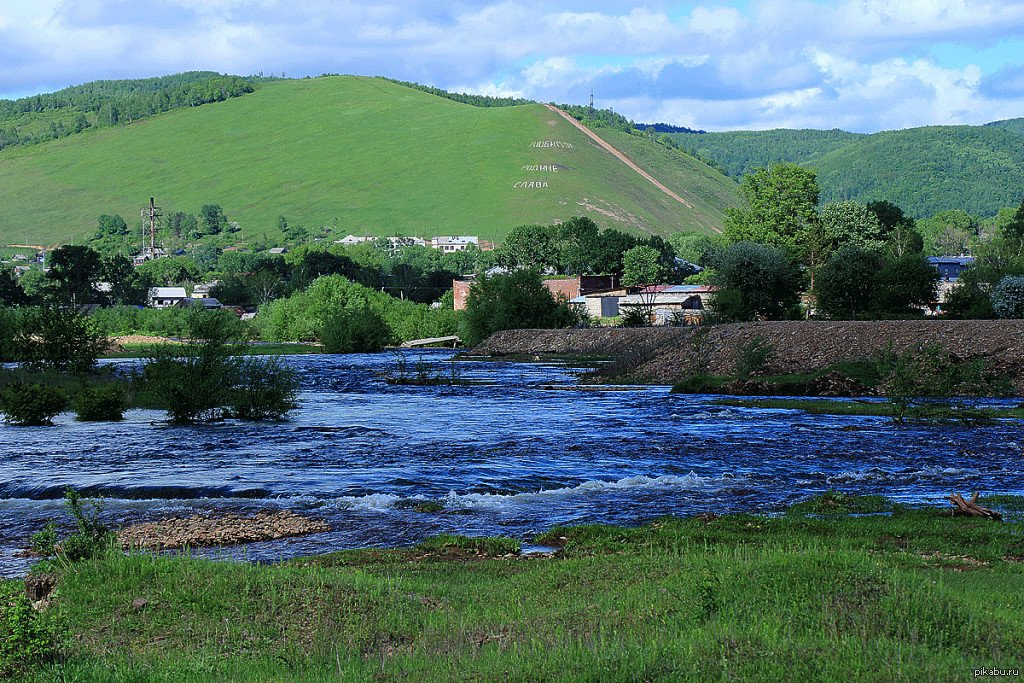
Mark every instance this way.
x=454 y=243
x=162 y=297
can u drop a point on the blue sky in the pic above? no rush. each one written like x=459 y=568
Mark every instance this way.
x=859 y=65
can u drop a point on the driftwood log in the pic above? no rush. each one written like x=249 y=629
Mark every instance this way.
x=971 y=507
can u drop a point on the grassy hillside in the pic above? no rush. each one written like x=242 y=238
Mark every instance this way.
x=378 y=157
x=979 y=169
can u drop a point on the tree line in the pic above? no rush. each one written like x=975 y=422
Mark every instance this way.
x=856 y=260
x=100 y=104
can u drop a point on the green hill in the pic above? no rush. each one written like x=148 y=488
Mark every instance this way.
x=978 y=169
x=379 y=157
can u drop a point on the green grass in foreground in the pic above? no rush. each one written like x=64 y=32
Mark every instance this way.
x=813 y=594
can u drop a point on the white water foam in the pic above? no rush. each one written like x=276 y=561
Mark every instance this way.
x=690 y=482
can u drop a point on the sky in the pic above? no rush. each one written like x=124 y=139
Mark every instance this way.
x=856 y=65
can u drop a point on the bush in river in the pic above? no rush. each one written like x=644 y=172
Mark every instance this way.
x=32 y=405
x=58 y=339
x=199 y=380
x=101 y=404
x=266 y=390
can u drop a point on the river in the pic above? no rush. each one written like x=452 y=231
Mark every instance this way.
x=522 y=449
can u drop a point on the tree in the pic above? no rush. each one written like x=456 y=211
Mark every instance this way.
x=74 y=272
x=949 y=233
x=641 y=266
x=518 y=300
x=182 y=225
x=898 y=229
x=851 y=223
x=530 y=246
x=194 y=381
x=780 y=205
x=11 y=292
x=213 y=219
x=1013 y=232
x=127 y=287
x=845 y=286
x=177 y=270
x=754 y=280
x=59 y=339
x=356 y=328
x=905 y=285
x=577 y=245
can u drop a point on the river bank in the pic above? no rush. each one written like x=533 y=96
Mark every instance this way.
x=822 y=591
x=664 y=355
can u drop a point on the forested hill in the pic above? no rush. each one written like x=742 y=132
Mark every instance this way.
x=36 y=119
x=978 y=169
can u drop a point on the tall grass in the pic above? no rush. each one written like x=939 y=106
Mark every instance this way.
x=904 y=596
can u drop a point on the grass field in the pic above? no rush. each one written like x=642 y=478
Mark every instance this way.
x=378 y=157
x=821 y=592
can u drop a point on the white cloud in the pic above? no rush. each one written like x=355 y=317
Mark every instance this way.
x=864 y=63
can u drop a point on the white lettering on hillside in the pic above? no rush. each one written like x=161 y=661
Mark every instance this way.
x=543 y=168
x=552 y=143
x=530 y=185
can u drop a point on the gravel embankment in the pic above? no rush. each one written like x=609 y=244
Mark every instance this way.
x=663 y=355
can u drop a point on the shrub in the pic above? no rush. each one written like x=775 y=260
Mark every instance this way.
x=635 y=317
x=9 y=326
x=91 y=537
x=101 y=404
x=932 y=372
x=25 y=638
x=59 y=339
x=32 y=405
x=354 y=329
x=195 y=380
x=266 y=390
x=518 y=300
x=201 y=379
x=754 y=356
x=1008 y=297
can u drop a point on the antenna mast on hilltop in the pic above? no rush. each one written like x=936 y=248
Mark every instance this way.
x=152 y=213
x=591 y=103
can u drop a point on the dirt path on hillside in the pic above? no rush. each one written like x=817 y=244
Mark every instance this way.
x=621 y=157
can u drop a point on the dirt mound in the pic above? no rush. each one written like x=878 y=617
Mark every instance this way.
x=664 y=355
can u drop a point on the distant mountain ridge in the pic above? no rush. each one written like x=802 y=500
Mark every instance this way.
x=979 y=169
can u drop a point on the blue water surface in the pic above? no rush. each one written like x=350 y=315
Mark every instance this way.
x=524 y=450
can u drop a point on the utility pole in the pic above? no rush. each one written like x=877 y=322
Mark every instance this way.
x=152 y=213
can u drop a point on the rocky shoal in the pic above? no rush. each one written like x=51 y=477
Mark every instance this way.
x=210 y=530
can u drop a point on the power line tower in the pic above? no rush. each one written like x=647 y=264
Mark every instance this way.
x=152 y=213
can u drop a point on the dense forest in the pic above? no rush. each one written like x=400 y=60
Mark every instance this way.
x=977 y=169
x=108 y=103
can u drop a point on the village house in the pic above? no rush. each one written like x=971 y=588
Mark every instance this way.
x=949 y=268
x=666 y=301
x=449 y=244
x=568 y=288
x=164 y=297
